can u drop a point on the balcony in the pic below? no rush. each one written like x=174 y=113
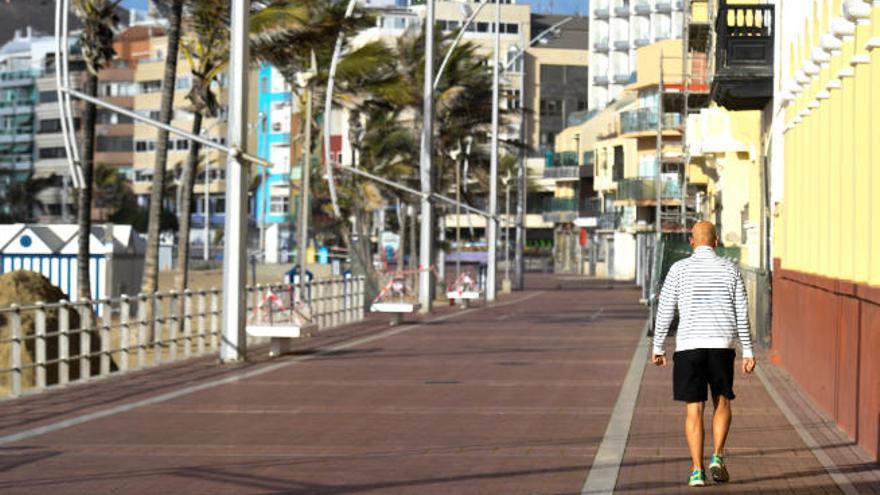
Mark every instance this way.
x=643 y=191
x=625 y=78
x=645 y=119
x=600 y=80
x=621 y=45
x=601 y=13
x=565 y=166
x=600 y=45
x=744 y=57
x=642 y=8
x=642 y=41
x=622 y=11
x=663 y=6
x=564 y=210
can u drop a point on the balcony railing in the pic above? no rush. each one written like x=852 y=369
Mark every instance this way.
x=645 y=119
x=663 y=6
x=601 y=13
x=645 y=189
x=600 y=80
x=600 y=44
x=744 y=56
x=642 y=8
x=625 y=78
x=16 y=75
x=621 y=45
x=640 y=42
x=622 y=11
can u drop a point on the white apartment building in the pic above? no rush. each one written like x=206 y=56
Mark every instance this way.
x=617 y=29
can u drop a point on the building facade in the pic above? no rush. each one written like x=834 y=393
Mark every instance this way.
x=617 y=29
x=824 y=124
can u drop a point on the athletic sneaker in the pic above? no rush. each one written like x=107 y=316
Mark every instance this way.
x=718 y=469
x=698 y=478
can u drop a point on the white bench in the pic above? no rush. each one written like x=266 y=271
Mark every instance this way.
x=463 y=297
x=398 y=309
x=281 y=334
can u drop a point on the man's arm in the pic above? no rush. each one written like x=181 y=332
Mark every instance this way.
x=666 y=309
x=741 y=307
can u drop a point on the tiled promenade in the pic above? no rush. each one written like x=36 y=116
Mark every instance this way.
x=513 y=398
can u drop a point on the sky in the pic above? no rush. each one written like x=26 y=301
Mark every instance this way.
x=540 y=6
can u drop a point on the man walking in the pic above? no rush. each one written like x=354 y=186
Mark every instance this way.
x=710 y=297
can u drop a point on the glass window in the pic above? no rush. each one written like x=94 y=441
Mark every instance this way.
x=279 y=204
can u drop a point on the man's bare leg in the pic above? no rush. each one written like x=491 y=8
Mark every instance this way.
x=720 y=422
x=693 y=428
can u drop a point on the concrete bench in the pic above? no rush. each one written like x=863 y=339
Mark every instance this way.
x=398 y=309
x=280 y=335
x=463 y=297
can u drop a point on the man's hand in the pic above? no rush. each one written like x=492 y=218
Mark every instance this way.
x=658 y=359
x=748 y=365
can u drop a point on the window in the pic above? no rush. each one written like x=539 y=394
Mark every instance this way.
x=50 y=153
x=279 y=204
x=152 y=114
x=108 y=117
x=482 y=27
x=179 y=145
x=509 y=28
x=183 y=82
x=512 y=97
x=144 y=145
x=113 y=143
x=48 y=96
x=551 y=107
x=143 y=175
x=150 y=86
x=617 y=171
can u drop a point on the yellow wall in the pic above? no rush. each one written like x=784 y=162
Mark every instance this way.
x=829 y=222
x=648 y=64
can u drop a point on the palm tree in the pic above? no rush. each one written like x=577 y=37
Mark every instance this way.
x=206 y=52
x=98 y=19
x=166 y=111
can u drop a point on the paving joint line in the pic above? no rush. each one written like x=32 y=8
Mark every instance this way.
x=121 y=408
x=838 y=476
x=602 y=477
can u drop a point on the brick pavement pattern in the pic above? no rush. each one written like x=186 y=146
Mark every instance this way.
x=511 y=399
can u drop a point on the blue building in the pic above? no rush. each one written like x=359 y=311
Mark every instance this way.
x=273 y=208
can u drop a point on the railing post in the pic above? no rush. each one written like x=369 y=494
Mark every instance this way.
x=143 y=325
x=85 y=341
x=124 y=332
x=334 y=302
x=107 y=321
x=187 y=322
x=157 y=327
x=63 y=342
x=360 y=298
x=15 y=348
x=319 y=304
x=172 y=322
x=40 y=346
x=215 y=319
x=200 y=340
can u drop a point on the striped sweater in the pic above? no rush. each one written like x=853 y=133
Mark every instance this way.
x=710 y=297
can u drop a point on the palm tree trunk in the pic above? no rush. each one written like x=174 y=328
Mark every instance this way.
x=166 y=111
x=187 y=182
x=84 y=206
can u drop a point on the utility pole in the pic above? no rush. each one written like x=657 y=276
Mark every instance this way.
x=425 y=279
x=518 y=277
x=304 y=80
x=233 y=345
x=206 y=252
x=492 y=221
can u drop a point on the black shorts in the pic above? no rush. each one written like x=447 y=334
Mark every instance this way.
x=695 y=369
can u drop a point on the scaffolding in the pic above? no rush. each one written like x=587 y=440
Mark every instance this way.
x=686 y=97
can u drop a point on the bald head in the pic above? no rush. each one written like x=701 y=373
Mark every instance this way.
x=703 y=234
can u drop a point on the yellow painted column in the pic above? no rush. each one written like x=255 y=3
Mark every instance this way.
x=835 y=106
x=847 y=157
x=862 y=162
x=874 y=170
x=823 y=220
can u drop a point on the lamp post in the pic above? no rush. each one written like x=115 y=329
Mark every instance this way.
x=491 y=221
x=233 y=345
x=427 y=149
x=304 y=81
x=506 y=285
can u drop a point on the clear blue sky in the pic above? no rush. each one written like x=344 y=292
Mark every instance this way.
x=541 y=6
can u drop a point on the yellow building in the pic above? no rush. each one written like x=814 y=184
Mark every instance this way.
x=148 y=78
x=825 y=177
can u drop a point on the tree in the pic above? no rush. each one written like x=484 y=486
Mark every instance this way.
x=206 y=51
x=166 y=111
x=98 y=19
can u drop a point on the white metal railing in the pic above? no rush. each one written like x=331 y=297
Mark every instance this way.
x=47 y=345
